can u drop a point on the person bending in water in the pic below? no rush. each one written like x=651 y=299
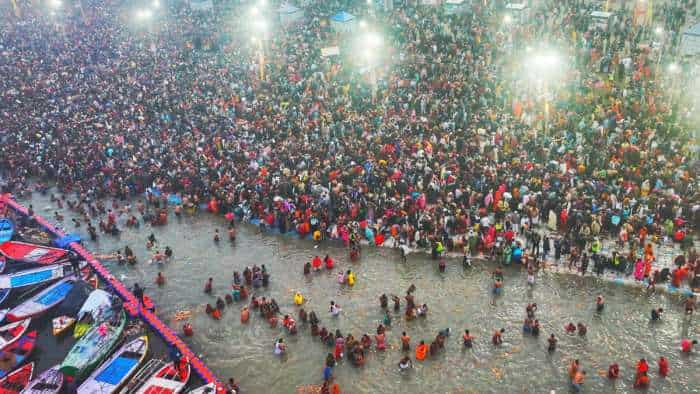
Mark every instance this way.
x=405 y=363
x=467 y=339
x=613 y=371
x=497 y=338
x=599 y=303
x=582 y=330
x=570 y=328
x=209 y=286
x=656 y=314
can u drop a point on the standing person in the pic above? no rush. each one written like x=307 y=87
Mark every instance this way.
x=208 y=287
x=497 y=338
x=599 y=303
x=405 y=342
x=663 y=367
x=138 y=292
x=467 y=339
x=552 y=343
x=689 y=305
x=577 y=382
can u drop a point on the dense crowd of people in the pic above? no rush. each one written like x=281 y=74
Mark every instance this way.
x=446 y=142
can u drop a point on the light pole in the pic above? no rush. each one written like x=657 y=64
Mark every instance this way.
x=260 y=28
x=543 y=66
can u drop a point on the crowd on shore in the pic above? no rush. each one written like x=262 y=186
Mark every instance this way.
x=448 y=143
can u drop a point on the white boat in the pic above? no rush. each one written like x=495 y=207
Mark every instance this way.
x=49 y=382
x=114 y=373
x=43 y=301
x=34 y=276
x=166 y=380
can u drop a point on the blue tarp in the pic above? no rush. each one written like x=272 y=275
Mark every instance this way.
x=116 y=370
x=65 y=241
x=342 y=16
x=174 y=199
x=7 y=229
x=57 y=293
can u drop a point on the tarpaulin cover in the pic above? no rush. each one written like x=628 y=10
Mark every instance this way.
x=30 y=253
x=7 y=229
x=66 y=240
x=75 y=299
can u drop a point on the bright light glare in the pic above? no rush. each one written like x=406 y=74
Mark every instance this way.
x=55 y=3
x=156 y=3
x=659 y=30
x=260 y=25
x=254 y=11
x=373 y=40
x=545 y=61
x=673 y=67
x=507 y=19
x=144 y=14
x=363 y=24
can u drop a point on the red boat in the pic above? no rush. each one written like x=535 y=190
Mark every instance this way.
x=16 y=353
x=16 y=381
x=168 y=380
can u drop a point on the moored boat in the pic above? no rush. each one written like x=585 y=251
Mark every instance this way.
x=167 y=380
x=14 y=354
x=17 y=380
x=34 y=276
x=9 y=333
x=48 y=382
x=43 y=301
x=93 y=347
x=115 y=372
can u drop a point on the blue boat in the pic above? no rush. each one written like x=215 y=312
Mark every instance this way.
x=7 y=229
x=34 y=276
x=3 y=263
x=42 y=302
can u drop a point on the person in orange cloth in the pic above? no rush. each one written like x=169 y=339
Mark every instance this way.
x=421 y=351
x=663 y=366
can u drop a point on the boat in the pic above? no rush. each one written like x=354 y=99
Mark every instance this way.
x=74 y=299
x=95 y=309
x=117 y=370
x=4 y=293
x=42 y=301
x=3 y=263
x=14 y=354
x=166 y=380
x=31 y=253
x=34 y=276
x=93 y=347
x=17 y=380
x=61 y=324
x=49 y=382
x=206 y=389
x=9 y=333
x=3 y=312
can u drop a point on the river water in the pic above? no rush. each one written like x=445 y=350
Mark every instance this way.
x=458 y=298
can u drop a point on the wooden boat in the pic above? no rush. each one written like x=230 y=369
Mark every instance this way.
x=16 y=353
x=117 y=370
x=43 y=301
x=9 y=333
x=206 y=389
x=61 y=324
x=17 y=380
x=34 y=276
x=49 y=382
x=166 y=380
x=24 y=252
x=92 y=348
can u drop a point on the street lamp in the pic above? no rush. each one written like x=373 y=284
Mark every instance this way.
x=259 y=26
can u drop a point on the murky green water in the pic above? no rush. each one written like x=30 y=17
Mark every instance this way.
x=457 y=299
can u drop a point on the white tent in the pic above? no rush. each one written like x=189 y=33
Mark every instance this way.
x=690 y=41
x=343 y=21
x=289 y=14
x=455 y=6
